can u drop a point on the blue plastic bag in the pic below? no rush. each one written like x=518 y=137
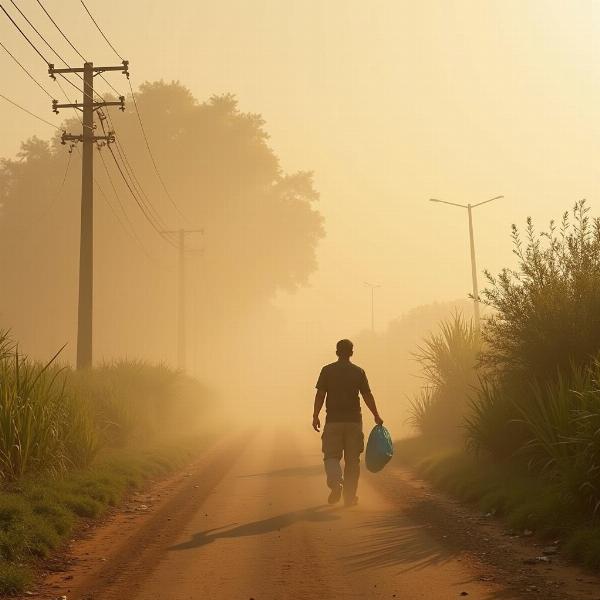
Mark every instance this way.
x=379 y=449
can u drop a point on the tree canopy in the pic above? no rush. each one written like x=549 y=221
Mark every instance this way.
x=261 y=226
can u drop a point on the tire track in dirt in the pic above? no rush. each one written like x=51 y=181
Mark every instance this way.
x=126 y=566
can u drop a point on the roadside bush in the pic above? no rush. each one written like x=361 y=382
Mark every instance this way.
x=132 y=401
x=547 y=312
x=448 y=360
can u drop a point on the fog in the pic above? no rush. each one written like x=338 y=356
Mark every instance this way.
x=369 y=110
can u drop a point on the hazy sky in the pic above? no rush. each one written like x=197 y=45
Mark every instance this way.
x=390 y=103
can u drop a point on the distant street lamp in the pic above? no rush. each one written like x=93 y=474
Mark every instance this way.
x=373 y=287
x=469 y=208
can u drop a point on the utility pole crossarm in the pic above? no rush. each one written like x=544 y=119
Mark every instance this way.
x=94 y=105
x=69 y=137
x=124 y=68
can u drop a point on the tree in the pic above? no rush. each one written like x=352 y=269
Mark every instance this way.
x=261 y=228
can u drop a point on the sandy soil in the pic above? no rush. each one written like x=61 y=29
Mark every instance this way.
x=249 y=520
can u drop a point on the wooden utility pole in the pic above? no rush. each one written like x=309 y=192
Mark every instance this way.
x=86 y=244
x=181 y=291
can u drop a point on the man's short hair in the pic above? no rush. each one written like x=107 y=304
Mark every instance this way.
x=344 y=348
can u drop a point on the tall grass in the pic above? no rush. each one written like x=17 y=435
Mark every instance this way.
x=448 y=360
x=53 y=419
x=135 y=400
x=39 y=419
x=492 y=423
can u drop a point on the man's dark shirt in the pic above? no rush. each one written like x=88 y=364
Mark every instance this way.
x=342 y=381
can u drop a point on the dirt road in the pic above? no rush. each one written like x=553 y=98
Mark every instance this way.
x=249 y=521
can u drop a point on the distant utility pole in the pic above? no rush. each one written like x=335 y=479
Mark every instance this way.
x=373 y=287
x=181 y=321
x=86 y=244
x=469 y=208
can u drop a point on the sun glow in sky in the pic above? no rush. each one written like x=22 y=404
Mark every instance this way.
x=390 y=103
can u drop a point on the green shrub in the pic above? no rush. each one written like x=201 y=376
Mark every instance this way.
x=547 y=312
x=448 y=360
x=13 y=578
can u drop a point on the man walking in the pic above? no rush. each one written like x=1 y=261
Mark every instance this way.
x=339 y=384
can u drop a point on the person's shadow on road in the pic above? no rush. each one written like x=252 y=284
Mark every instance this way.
x=315 y=513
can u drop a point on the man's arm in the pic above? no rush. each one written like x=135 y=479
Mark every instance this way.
x=319 y=400
x=370 y=402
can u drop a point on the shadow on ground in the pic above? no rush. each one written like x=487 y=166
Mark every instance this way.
x=397 y=540
x=291 y=472
x=394 y=539
x=320 y=513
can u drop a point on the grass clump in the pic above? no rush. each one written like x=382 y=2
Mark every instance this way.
x=448 y=360
x=14 y=578
x=583 y=545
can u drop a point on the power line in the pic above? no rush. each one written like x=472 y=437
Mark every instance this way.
x=123 y=155
x=87 y=10
x=132 y=231
x=148 y=210
x=76 y=50
x=151 y=210
x=133 y=177
x=61 y=31
x=16 y=25
x=100 y=30
x=52 y=49
x=29 y=112
x=139 y=116
x=140 y=204
x=118 y=219
x=24 y=35
x=27 y=72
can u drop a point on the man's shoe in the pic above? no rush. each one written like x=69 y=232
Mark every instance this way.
x=350 y=501
x=335 y=495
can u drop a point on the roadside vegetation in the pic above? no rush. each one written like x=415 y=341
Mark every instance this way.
x=512 y=421
x=73 y=444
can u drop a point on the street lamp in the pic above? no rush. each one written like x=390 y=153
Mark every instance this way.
x=469 y=208
x=373 y=287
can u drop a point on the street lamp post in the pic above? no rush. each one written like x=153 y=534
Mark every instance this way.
x=470 y=208
x=373 y=287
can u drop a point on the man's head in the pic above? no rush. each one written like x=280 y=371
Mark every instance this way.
x=344 y=349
